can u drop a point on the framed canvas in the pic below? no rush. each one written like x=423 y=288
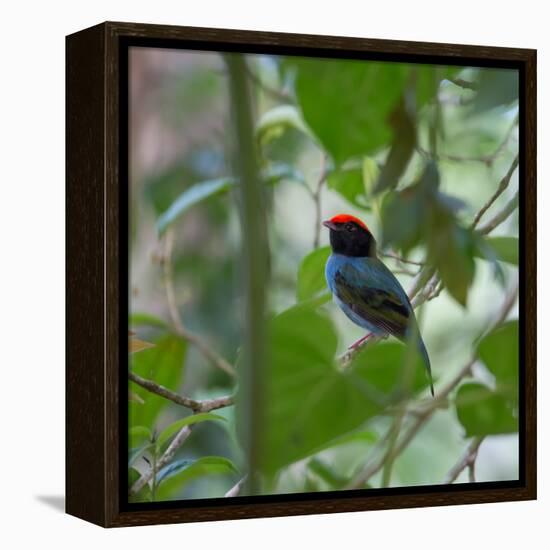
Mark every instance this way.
x=301 y=274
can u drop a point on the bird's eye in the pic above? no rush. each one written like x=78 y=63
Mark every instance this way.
x=350 y=227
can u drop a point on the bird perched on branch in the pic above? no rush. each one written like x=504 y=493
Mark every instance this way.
x=365 y=289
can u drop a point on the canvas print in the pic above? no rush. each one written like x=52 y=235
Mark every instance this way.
x=323 y=275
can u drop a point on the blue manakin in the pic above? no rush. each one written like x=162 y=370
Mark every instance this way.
x=365 y=289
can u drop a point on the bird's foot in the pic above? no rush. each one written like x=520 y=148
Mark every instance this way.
x=360 y=342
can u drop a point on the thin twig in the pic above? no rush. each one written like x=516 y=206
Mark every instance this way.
x=404 y=271
x=421 y=417
x=466 y=461
x=316 y=195
x=205 y=405
x=502 y=186
x=400 y=258
x=428 y=284
x=427 y=291
x=390 y=455
x=424 y=291
x=465 y=84
x=488 y=160
x=176 y=443
x=279 y=95
x=501 y=216
x=399 y=417
x=206 y=350
x=422 y=279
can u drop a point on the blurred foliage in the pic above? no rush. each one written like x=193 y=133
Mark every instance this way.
x=163 y=363
x=349 y=104
x=505 y=248
x=176 y=475
x=337 y=402
x=311 y=276
x=483 y=410
x=415 y=150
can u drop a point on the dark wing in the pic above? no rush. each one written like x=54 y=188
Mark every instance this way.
x=380 y=307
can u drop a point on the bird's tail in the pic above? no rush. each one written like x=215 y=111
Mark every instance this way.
x=424 y=352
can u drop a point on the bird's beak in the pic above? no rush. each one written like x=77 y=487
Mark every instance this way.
x=330 y=225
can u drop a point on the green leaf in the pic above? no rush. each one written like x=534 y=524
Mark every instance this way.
x=421 y=214
x=311 y=274
x=313 y=303
x=310 y=403
x=273 y=123
x=175 y=476
x=164 y=364
x=482 y=411
x=451 y=249
x=361 y=436
x=323 y=471
x=370 y=174
x=385 y=371
x=137 y=435
x=403 y=217
x=506 y=248
x=146 y=319
x=198 y=192
x=171 y=430
x=402 y=149
x=346 y=103
x=482 y=249
x=190 y=197
x=499 y=350
x=144 y=495
x=349 y=183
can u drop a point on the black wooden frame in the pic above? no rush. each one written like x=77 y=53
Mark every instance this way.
x=96 y=244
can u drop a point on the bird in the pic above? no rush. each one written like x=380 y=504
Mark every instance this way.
x=365 y=289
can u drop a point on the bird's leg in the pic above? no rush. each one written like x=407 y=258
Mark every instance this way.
x=355 y=345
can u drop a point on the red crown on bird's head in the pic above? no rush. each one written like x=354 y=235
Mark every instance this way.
x=344 y=218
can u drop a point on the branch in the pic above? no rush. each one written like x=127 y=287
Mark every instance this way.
x=316 y=196
x=488 y=160
x=502 y=186
x=465 y=84
x=502 y=216
x=205 y=405
x=180 y=329
x=404 y=271
x=391 y=453
x=467 y=461
x=424 y=291
x=253 y=216
x=424 y=288
x=279 y=95
x=428 y=284
x=176 y=443
x=440 y=400
x=421 y=418
x=400 y=258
